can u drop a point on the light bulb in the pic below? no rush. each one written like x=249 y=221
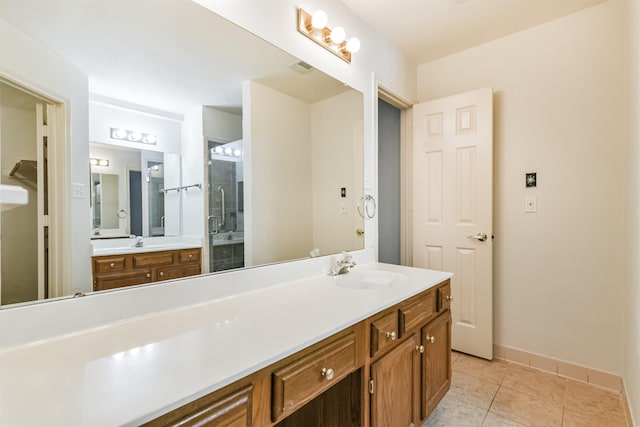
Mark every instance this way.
x=228 y=151
x=353 y=45
x=119 y=133
x=237 y=152
x=218 y=150
x=93 y=162
x=319 y=19
x=135 y=136
x=337 y=35
x=103 y=162
x=150 y=139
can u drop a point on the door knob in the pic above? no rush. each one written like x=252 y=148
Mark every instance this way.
x=479 y=236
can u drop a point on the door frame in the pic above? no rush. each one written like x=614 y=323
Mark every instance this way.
x=59 y=182
x=406 y=168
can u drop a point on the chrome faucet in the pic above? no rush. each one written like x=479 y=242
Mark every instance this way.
x=139 y=242
x=342 y=266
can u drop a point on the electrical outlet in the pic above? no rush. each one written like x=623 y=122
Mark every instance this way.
x=77 y=191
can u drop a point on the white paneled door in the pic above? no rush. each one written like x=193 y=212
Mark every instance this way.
x=452 y=199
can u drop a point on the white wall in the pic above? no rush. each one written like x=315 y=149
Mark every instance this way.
x=193 y=210
x=336 y=162
x=34 y=66
x=278 y=139
x=103 y=117
x=221 y=126
x=632 y=296
x=560 y=110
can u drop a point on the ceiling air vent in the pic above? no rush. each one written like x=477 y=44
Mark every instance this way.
x=301 y=67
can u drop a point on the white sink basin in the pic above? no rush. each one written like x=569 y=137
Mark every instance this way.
x=368 y=279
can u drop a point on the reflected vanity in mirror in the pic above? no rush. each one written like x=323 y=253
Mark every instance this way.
x=255 y=156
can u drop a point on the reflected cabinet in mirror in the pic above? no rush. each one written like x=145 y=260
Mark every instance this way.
x=151 y=151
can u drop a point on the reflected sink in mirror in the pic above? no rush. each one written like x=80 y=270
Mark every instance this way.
x=369 y=279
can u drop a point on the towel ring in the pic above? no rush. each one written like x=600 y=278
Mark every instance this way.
x=370 y=206
x=122 y=214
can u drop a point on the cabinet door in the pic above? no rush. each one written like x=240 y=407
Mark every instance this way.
x=395 y=400
x=436 y=372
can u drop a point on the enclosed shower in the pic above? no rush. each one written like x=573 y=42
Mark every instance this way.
x=225 y=220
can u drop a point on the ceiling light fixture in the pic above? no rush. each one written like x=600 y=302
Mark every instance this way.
x=133 y=136
x=315 y=28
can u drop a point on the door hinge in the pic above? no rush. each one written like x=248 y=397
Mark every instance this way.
x=371 y=387
x=45 y=130
x=45 y=220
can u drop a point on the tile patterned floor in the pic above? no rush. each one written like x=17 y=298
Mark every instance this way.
x=500 y=394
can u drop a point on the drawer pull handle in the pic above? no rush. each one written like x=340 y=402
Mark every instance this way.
x=449 y=297
x=420 y=348
x=148 y=274
x=327 y=373
x=391 y=336
x=112 y=265
x=431 y=339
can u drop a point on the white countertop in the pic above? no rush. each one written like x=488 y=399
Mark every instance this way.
x=151 y=244
x=134 y=370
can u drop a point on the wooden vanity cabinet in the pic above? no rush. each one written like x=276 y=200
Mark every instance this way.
x=117 y=271
x=391 y=369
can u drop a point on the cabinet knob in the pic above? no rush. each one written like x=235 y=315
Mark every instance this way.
x=420 y=348
x=391 y=336
x=162 y=273
x=148 y=274
x=431 y=339
x=190 y=256
x=449 y=297
x=112 y=265
x=327 y=373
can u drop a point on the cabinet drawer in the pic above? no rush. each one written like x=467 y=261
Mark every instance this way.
x=189 y=255
x=152 y=259
x=232 y=410
x=444 y=296
x=109 y=264
x=384 y=332
x=302 y=380
x=112 y=281
x=416 y=312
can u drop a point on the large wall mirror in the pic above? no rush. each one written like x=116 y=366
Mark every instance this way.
x=199 y=134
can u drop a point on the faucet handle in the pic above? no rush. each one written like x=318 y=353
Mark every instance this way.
x=346 y=256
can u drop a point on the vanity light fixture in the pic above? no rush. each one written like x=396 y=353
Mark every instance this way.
x=133 y=136
x=98 y=162
x=315 y=28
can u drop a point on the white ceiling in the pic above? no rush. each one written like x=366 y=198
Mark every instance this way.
x=168 y=55
x=429 y=29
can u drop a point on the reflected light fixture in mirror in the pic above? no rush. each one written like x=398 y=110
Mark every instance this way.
x=133 y=136
x=98 y=162
x=315 y=28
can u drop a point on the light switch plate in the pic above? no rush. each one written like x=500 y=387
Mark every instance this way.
x=77 y=191
x=343 y=208
x=530 y=204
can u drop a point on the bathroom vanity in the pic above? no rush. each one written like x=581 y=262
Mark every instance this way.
x=117 y=263
x=366 y=348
